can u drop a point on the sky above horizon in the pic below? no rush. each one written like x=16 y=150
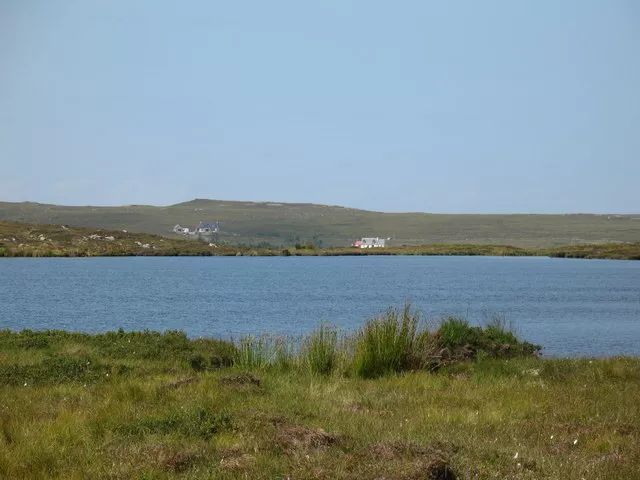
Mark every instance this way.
x=444 y=107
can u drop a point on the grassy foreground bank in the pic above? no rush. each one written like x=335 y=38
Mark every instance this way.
x=150 y=405
x=32 y=240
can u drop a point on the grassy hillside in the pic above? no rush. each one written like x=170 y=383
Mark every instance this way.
x=19 y=239
x=285 y=224
x=32 y=240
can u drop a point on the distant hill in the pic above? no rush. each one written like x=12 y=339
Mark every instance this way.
x=284 y=224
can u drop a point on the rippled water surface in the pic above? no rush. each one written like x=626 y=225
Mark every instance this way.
x=571 y=307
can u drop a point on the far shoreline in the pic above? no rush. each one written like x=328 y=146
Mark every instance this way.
x=586 y=252
x=39 y=240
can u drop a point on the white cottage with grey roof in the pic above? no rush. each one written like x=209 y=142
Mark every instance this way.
x=371 y=242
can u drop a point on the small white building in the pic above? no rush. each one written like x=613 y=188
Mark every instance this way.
x=204 y=227
x=370 y=242
x=181 y=229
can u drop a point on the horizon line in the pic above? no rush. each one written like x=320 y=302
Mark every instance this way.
x=282 y=203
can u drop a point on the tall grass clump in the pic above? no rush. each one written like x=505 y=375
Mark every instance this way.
x=285 y=353
x=320 y=350
x=387 y=344
x=264 y=351
x=253 y=352
x=455 y=332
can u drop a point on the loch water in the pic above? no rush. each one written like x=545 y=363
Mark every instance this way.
x=572 y=307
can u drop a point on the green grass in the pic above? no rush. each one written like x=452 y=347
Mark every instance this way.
x=260 y=352
x=29 y=240
x=321 y=351
x=286 y=224
x=388 y=343
x=195 y=422
x=394 y=342
x=486 y=418
x=455 y=332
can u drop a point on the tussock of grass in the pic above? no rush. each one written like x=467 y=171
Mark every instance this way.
x=262 y=351
x=386 y=344
x=320 y=350
x=393 y=342
x=455 y=332
x=459 y=340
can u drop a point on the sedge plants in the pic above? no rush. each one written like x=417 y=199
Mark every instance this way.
x=387 y=343
x=320 y=350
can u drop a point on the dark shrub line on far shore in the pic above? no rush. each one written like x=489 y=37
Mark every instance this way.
x=197 y=249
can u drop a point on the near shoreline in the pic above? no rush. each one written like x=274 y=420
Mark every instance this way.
x=159 y=405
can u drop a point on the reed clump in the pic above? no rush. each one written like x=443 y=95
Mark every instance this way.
x=321 y=351
x=396 y=341
x=387 y=343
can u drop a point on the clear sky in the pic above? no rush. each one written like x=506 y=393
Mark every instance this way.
x=451 y=106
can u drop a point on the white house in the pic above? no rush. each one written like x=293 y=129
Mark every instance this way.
x=180 y=229
x=204 y=227
x=370 y=242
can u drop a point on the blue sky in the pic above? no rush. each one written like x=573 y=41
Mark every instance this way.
x=453 y=107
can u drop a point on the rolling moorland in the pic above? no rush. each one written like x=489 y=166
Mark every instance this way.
x=33 y=240
x=282 y=225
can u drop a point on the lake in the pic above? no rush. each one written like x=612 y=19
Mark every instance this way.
x=572 y=307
